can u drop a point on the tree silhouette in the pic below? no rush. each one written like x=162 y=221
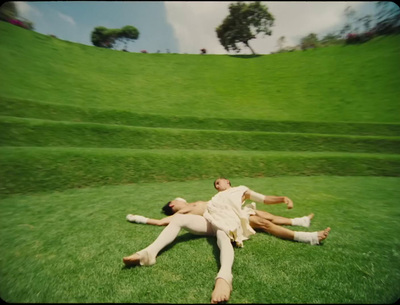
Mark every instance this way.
x=244 y=22
x=109 y=38
x=8 y=11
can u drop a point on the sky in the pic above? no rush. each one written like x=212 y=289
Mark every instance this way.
x=185 y=27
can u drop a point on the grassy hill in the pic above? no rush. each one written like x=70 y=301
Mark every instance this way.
x=73 y=115
x=344 y=83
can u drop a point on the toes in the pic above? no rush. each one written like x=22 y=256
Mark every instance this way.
x=219 y=300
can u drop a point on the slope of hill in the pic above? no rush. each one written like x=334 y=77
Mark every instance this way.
x=76 y=116
x=357 y=83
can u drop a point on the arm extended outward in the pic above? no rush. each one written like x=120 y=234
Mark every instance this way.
x=159 y=222
x=268 y=199
x=156 y=222
x=149 y=221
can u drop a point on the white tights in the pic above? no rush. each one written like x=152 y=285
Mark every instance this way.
x=198 y=225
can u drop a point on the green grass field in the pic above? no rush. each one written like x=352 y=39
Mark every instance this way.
x=89 y=135
x=68 y=246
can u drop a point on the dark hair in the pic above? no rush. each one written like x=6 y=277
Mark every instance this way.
x=220 y=178
x=167 y=210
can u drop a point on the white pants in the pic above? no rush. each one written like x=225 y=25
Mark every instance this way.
x=197 y=225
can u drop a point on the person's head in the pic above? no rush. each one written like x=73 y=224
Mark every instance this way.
x=174 y=206
x=222 y=184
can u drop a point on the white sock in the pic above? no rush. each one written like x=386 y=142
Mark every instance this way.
x=226 y=257
x=146 y=259
x=307 y=237
x=167 y=236
x=301 y=221
x=136 y=218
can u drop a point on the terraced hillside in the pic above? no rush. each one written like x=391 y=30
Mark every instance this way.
x=68 y=124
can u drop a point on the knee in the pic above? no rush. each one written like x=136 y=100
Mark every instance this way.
x=177 y=219
x=266 y=224
x=270 y=218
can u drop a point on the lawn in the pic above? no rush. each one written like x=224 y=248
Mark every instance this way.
x=67 y=247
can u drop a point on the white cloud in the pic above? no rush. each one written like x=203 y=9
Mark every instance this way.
x=67 y=18
x=194 y=23
x=27 y=11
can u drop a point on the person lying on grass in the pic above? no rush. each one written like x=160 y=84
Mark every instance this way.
x=259 y=220
x=223 y=218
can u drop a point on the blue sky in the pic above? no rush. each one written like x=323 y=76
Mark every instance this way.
x=184 y=26
x=75 y=20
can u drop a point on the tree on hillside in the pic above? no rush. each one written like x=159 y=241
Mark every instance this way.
x=244 y=22
x=8 y=11
x=350 y=14
x=388 y=11
x=388 y=18
x=101 y=37
x=331 y=39
x=309 y=42
x=109 y=38
x=366 y=21
x=127 y=33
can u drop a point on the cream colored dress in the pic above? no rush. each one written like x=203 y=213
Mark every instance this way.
x=225 y=212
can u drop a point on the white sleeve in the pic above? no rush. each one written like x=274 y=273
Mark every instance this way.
x=256 y=196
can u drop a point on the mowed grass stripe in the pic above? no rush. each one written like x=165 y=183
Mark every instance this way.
x=34 y=132
x=33 y=169
x=41 y=110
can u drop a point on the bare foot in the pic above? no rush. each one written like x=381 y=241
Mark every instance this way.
x=132 y=260
x=311 y=216
x=323 y=234
x=222 y=291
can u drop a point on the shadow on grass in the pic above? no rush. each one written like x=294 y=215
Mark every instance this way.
x=186 y=237
x=212 y=240
x=246 y=56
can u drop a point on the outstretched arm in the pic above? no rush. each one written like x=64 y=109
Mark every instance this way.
x=149 y=221
x=268 y=199
x=159 y=222
x=156 y=222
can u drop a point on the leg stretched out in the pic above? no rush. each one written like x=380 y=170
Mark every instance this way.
x=193 y=223
x=279 y=220
x=223 y=281
x=260 y=223
x=200 y=226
